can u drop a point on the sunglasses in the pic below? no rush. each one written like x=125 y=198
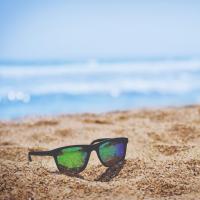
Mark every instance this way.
x=74 y=159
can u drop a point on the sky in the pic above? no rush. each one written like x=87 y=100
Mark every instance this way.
x=77 y=29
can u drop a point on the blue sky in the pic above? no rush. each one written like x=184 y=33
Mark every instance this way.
x=85 y=29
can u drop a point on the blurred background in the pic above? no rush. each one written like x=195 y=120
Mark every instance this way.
x=73 y=56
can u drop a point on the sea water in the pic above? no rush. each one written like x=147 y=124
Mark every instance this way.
x=30 y=89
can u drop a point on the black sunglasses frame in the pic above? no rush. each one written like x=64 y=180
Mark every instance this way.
x=94 y=146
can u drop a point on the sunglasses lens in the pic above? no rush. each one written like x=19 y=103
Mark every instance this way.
x=111 y=152
x=72 y=159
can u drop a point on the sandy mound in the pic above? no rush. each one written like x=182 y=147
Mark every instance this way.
x=163 y=156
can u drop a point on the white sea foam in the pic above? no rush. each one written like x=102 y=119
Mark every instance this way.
x=164 y=77
x=155 y=67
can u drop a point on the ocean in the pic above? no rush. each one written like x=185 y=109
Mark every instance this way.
x=32 y=89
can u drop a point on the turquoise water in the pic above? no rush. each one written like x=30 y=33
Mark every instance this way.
x=57 y=88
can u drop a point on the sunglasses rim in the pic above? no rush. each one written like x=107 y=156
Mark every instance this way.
x=62 y=169
x=107 y=165
x=94 y=146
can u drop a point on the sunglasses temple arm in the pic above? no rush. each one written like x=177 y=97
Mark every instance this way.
x=99 y=140
x=38 y=153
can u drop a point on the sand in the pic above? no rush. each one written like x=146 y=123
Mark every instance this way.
x=162 y=162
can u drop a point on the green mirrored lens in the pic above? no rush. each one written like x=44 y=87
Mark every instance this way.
x=72 y=158
x=112 y=152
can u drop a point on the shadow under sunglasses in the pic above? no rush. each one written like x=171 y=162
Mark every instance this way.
x=106 y=176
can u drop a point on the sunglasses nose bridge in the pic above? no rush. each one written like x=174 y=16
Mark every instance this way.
x=93 y=147
x=95 y=155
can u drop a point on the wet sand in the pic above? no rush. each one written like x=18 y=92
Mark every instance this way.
x=162 y=162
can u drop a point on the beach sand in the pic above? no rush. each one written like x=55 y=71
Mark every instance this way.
x=162 y=162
